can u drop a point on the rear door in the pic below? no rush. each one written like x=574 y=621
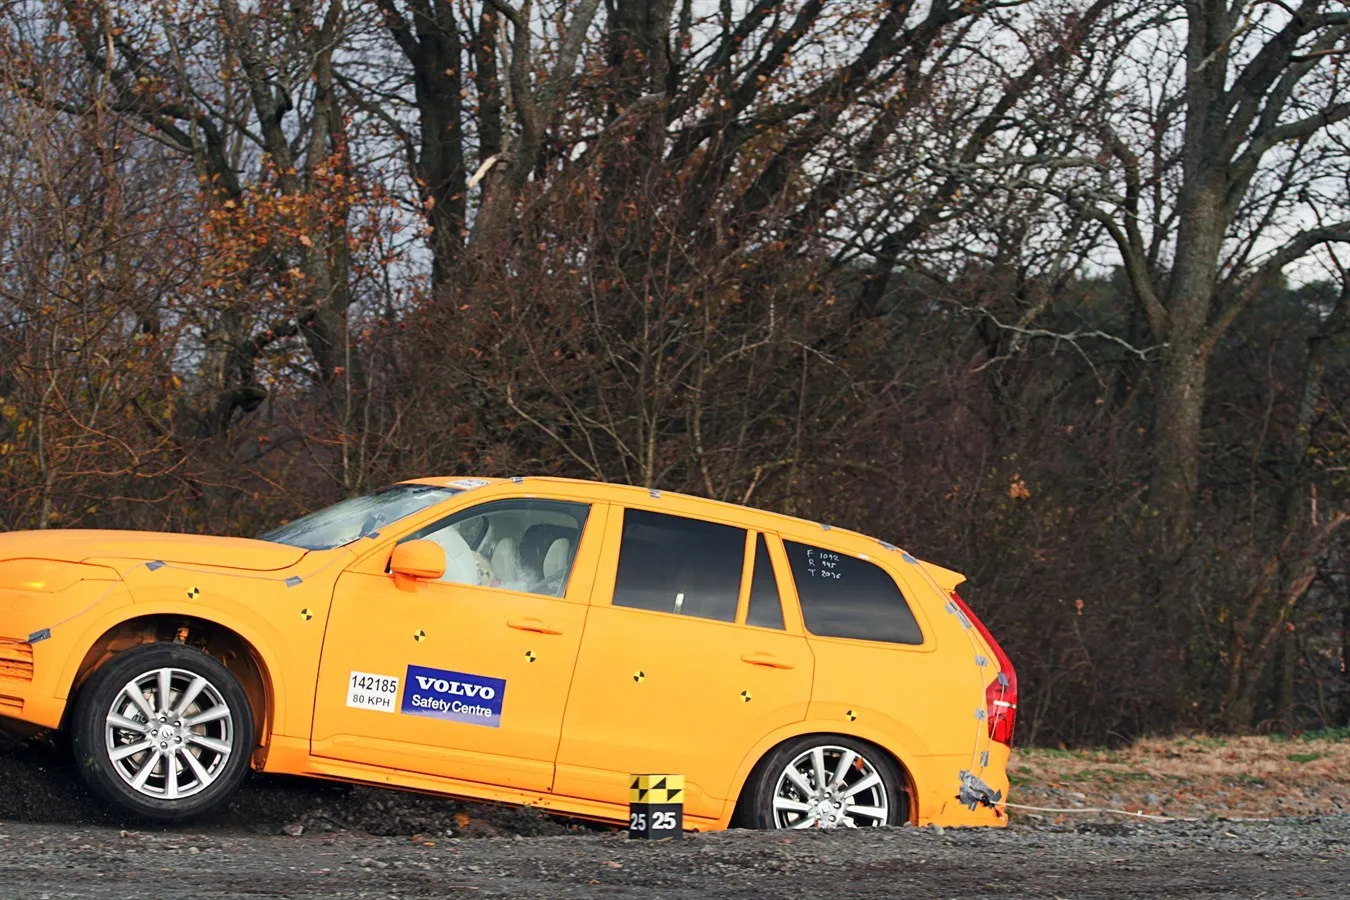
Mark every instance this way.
x=876 y=651
x=686 y=662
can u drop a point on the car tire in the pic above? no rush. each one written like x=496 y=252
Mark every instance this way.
x=862 y=786
x=164 y=761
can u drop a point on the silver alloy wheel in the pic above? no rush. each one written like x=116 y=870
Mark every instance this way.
x=169 y=734
x=830 y=787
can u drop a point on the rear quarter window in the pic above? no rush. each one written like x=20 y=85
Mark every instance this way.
x=846 y=597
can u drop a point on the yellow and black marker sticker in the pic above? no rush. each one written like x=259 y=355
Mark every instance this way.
x=656 y=789
x=852 y=716
x=745 y=696
x=639 y=676
x=306 y=614
x=419 y=635
x=530 y=655
x=194 y=593
x=656 y=806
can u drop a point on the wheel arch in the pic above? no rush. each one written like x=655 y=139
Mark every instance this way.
x=754 y=760
x=233 y=649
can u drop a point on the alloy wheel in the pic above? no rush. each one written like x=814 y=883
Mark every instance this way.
x=830 y=787
x=169 y=733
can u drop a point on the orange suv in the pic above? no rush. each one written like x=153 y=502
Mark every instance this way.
x=528 y=640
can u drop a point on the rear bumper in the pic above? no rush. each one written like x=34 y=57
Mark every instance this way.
x=942 y=806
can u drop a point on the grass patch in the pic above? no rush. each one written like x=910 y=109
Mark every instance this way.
x=1303 y=757
x=1335 y=735
x=1095 y=774
x=1206 y=742
x=1054 y=752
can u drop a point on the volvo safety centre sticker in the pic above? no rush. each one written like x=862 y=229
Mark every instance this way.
x=377 y=692
x=454 y=696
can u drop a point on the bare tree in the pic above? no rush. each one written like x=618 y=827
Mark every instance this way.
x=1219 y=185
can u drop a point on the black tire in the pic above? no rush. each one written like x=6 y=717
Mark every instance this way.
x=198 y=785
x=757 y=808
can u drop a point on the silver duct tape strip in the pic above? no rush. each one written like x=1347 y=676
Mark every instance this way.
x=975 y=792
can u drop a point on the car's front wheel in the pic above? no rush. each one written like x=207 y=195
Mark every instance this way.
x=826 y=781
x=164 y=731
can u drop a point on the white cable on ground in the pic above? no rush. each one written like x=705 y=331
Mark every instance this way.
x=1125 y=812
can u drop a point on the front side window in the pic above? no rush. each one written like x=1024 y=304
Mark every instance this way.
x=358 y=517
x=842 y=596
x=515 y=545
x=676 y=565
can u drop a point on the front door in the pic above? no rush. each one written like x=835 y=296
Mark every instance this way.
x=687 y=668
x=466 y=676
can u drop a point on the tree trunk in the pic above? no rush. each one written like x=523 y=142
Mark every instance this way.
x=1284 y=697
x=1176 y=461
x=1345 y=658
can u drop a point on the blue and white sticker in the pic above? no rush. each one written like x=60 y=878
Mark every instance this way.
x=454 y=696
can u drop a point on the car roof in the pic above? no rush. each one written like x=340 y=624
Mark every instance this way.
x=946 y=577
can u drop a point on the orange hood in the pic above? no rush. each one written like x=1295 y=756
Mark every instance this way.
x=77 y=545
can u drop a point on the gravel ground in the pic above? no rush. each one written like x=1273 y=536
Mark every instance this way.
x=1292 y=857
x=301 y=839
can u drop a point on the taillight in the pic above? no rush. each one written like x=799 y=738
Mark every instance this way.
x=1000 y=697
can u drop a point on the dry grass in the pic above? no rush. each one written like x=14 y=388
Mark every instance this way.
x=1195 y=776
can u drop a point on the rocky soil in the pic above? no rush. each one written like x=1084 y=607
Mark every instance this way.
x=295 y=838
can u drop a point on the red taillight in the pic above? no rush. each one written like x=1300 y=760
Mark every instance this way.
x=1000 y=697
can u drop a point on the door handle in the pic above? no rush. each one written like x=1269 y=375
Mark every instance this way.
x=529 y=623
x=768 y=660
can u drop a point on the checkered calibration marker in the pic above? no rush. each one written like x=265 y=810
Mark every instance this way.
x=194 y=593
x=656 y=806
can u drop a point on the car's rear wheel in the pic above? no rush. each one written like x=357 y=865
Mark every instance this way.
x=164 y=731
x=826 y=781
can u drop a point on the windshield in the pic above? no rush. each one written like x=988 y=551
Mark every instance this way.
x=353 y=519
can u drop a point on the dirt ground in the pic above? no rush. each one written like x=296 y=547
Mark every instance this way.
x=285 y=837
x=1191 y=777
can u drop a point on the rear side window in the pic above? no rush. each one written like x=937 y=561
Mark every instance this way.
x=850 y=598
x=683 y=566
x=766 y=609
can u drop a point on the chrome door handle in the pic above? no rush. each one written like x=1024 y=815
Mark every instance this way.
x=768 y=660
x=529 y=623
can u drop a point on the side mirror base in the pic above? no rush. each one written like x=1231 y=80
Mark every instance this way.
x=418 y=559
